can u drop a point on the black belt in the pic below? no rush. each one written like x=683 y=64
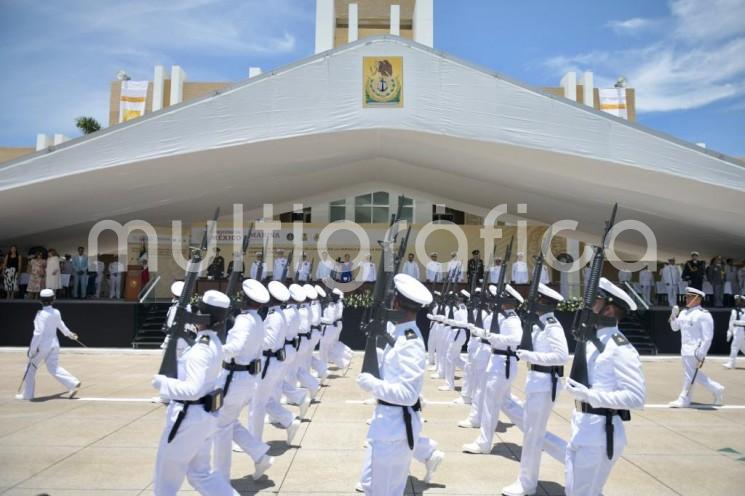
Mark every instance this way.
x=485 y=341
x=457 y=334
x=556 y=371
x=315 y=328
x=407 y=418
x=608 y=413
x=305 y=335
x=508 y=353
x=268 y=354
x=211 y=403
x=337 y=321
x=295 y=342
x=253 y=368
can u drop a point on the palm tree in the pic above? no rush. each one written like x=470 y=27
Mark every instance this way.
x=87 y=125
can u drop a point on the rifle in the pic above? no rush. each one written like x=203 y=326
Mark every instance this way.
x=481 y=308
x=494 y=327
x=260 y=268
x=377 y=325
x=169 y=365
x=286 y=267
x=583 y=327
x=234 y=284
x=527 y=313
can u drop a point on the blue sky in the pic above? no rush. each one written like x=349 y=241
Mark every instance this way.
x=686 y=58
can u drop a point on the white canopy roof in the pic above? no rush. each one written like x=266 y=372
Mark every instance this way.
x=462 y=133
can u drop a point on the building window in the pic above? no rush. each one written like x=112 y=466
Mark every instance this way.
x=337 y=210
x=303 y=216
x=372 y=208
x=407 y=209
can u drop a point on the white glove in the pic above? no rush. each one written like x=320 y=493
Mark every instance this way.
x=476 y=331
x=525 y=355
x=674 y=313
x=430 y=316
x=365 y=381
x=439 y=318
x=158 y=381
x=73 y=336
x=700 y=355
x=579 y=391
x=729 y=335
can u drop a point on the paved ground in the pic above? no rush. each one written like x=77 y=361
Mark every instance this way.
x=83 y=446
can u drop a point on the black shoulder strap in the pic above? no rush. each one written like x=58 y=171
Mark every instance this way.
x=410 y=334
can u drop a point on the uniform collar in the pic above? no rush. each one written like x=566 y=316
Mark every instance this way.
x=605 y=332
x=548 y=315
x=401 y=328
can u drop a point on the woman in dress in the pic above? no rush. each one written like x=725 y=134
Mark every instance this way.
x=12 y=267
x=54 y=274
x=37 y=271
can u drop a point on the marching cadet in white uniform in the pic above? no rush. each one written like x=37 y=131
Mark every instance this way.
x=272 y=369
x=191 y=418
x=44 y=348
x=181 y=345
x=241 y=369
x=616 y=386
x=520 y=271
x=338 y=352
x=696 y=327
x=479 y=363
x=434 y=269
x=432 y=336
x=476 y=359
x=308 y=339
x=297 y=318
x=410 y=267
x=501 y=371
x=456 y=338
x=736 y=331
x=546 y=363
x=396 y=423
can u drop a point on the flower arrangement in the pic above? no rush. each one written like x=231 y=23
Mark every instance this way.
x=572 y=304
x=359 y=300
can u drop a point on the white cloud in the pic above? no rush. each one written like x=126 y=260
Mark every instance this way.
x=699 y=60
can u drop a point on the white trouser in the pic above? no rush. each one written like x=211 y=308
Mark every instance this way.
x=647 y=294
x=324 y=349
x=386 y=468
x=431 y=340
x=478 y=383
x=672 y=294
x=535 y=416
x=263 y=401
x=738 y=340
x=553 y=445
x=294 y=394
x=303 y=374
x=497 y=389
x=441 y=349
x=99 y=280
x=467 y=387
x=423 y=449
x=689 y=369
x=453 y=355
x=115 y=285
x=241 y=389
x=188 y=455
x=51 y=357
x=587 y=466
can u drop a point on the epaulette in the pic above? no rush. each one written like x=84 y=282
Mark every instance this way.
x=510 y=313
x=410 y=334
x=620 y=339
x=204 y=339
x=551 y=320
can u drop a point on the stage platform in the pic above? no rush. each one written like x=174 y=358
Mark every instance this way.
x=114 y=323
x=105 y=441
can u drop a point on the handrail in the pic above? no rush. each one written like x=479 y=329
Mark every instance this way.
x=148 y=289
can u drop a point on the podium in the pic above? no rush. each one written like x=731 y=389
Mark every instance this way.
x=133 y=282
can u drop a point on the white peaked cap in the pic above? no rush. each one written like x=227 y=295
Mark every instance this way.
x=549 y=293
x=176 y=288
x=412 y=289
x=465 y=293
x=740 y=297
x=614 y=291
x=279 y=291
x=698 y=292
x=514 y=293
x=321 y=292
x=46 y=293
x=255 y=290
x=338 y=292
x=297 y=292
x=493 y=289
x=310 y=291
x=216 y=298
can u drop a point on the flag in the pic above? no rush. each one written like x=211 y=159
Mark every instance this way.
x=132 y=100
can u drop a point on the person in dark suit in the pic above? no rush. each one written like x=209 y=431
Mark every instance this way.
x=694 y=271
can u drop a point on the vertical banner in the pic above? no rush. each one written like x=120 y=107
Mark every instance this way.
x=383 y=82
x=613 y=101
x=132 y=100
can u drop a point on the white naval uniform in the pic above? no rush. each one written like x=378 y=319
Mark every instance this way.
x=340 y=353
x=97 y=266
x=411 y=268
x=433 y=271
x=476 y=362
x=671 y=279
x=441 y=345
x=303 y=271
x=497 y=386
x=368 y=272
x=115 y=279
x=545 y=275
x=456 y=338
x=255 y=270
x=432 y=336
x=454 y=266
x=188 y=454
x=696 y=327
x=279 y=267
x=479 y=363
x=324 y=269
x=307 y=345
x=296 y=315
x=520 y=272
x=328 y=320
x=617 y=381
x=243 y=345
x=494 y=272
x=44 y=348
x=736 y=332
x=549 y=350
x=646 y=280
x=388 y=455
